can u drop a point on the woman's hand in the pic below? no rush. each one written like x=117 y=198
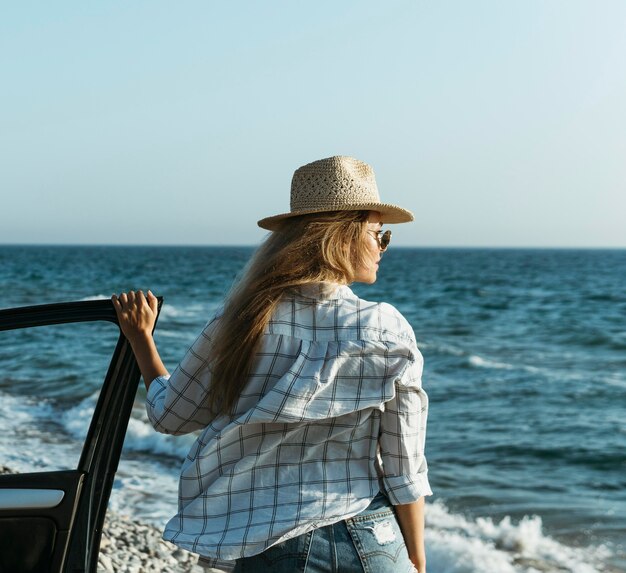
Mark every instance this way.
x=419 y=561
x=136 y=314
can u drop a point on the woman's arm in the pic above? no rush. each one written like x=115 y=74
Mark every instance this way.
x=405 y=470
x=411 y=520
x=137 y=317
x=175 y=404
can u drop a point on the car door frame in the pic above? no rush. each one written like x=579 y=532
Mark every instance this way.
x=80 y=515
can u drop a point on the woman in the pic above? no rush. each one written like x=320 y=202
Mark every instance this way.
x=308 y=400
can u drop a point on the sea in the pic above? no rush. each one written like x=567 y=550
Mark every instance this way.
x=525 y=367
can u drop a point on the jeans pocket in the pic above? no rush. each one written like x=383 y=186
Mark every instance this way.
x=379 y=543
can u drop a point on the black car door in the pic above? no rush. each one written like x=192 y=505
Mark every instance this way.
x=51 y=521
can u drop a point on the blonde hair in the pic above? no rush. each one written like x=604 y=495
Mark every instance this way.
x=304 y=249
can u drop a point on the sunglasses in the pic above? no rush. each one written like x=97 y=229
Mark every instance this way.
x=383 y=238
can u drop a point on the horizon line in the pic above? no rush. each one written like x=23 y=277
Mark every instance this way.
x=252 y=246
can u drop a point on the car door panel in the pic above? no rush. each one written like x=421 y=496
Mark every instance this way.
x=65 y=536
x=36 y=538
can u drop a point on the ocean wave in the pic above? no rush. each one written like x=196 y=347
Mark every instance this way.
x=29 y=442
x=192 y=311
x=140 y=435
x=474 y=360
x=146 y=489
x=478 y=362
x=457 y=544
x=76 y=420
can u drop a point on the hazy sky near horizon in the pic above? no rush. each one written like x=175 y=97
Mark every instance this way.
x=152 y=122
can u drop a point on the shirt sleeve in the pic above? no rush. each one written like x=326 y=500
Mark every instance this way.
x=402 y=438
x=177 y=404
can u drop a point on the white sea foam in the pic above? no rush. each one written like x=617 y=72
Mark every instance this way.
x=146 y=490
x=96 y=297
x=457 y=544
x=76 y=420
x=140 y=436
x=474 y=360
x=24 y=444
x=471 y=359
x=479 y=362
x=192 y=311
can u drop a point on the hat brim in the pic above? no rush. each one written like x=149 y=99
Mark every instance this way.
x=389 y=214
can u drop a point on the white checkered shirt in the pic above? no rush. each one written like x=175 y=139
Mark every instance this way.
x=333 y=411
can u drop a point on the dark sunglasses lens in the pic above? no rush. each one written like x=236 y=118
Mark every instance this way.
x=385 y=240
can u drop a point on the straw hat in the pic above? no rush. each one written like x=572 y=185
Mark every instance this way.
x=336 y=184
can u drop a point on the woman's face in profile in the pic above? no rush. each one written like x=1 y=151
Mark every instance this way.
x=366 y=272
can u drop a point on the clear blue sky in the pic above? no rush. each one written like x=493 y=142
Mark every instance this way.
x=499 y=123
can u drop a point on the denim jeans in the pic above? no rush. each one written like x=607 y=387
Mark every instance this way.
x=369 y=542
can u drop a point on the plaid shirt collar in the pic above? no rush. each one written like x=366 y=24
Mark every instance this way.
x=325 y=290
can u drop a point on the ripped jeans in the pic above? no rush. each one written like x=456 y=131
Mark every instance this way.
x=369 y=542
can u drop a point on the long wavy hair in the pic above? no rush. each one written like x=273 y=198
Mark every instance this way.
x=305 y=249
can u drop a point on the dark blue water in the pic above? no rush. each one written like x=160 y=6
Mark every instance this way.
x=525 y=366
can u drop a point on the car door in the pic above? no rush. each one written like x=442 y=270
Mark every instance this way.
x=51 y=521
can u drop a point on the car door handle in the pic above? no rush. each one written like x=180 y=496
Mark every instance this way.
x=30 y=498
